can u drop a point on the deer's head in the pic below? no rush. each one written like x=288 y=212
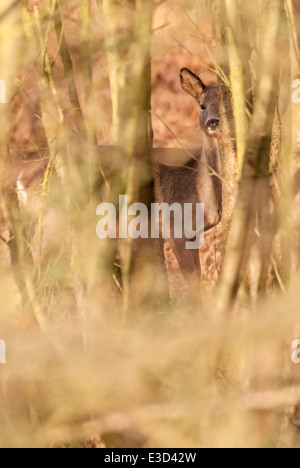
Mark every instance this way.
x=207 y=98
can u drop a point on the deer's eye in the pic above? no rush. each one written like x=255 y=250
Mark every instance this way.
x=203 y=106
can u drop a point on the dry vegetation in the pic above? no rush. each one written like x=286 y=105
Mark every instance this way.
x=88 y=365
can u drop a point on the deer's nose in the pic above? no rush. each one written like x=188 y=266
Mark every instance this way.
x=213 y=124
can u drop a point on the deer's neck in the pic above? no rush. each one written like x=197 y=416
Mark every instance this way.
x=210 y=154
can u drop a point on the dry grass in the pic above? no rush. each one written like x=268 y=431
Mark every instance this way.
x=157 y=383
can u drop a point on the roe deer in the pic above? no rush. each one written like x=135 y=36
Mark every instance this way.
x=196 y=178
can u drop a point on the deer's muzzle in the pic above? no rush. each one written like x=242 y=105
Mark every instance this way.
x=212 y=126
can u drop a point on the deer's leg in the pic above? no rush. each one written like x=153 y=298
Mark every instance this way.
x=162 y=282
x=188 y=260
x=22 y=265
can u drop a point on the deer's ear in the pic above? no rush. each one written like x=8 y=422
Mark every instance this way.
x=191 y=83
